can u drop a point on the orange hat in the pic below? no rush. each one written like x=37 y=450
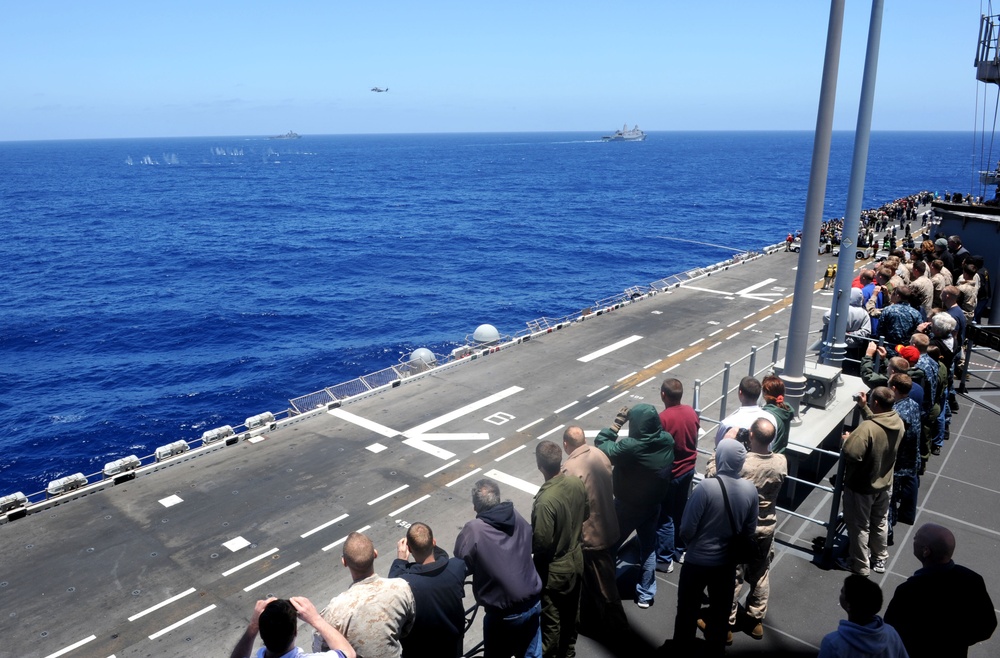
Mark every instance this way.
x=908 y=352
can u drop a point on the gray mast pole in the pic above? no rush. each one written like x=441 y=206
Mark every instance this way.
x=834 y=346
x=805 y=277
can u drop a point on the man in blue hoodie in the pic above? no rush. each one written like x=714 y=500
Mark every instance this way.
x=496 y=547
x=863 y=633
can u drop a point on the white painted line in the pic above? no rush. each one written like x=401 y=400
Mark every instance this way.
x=696 y=342
x=551 y=431
x=508 y=454
x=732 y=335
x=678 y=351
x=162 y=604
x=256 y=439
x=749 y=315
x=324 y=526
x=624 y=377
x=591 y=434
x=170 y=501
x=236 y=543
x=77 y=645
x=376 y=448
x=590 y=395
x=713 y=346
x=750 y=326
x=531 y=424
x=378 y=428
x=249 y=562
x=763 y=308
x=271 y=577
x=448 y=465
x=692 y=356
x=429 y=448
x=409 y=505
x=336 y=543
x=732 y=323
x=643 y=383
x=469 y=474
x=387 y=495
x=185 y=620
x=619 y=395
x=656 y=312
x=561 y=409
x=821 y=308
x=587 y=413
x=713 y=322
x=717 y=331
x=671 y=368
x=650 y=365
x=754 y=287
x=780 y=310
x=458 y=413
x=517 y=483
x=609 y=349
x=491 y=444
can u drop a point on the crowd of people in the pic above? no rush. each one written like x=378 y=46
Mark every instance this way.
x=540 y=582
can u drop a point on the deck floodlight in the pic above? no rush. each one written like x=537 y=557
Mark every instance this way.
x=122 y=465
x=66 y=484
x=219 y=433
x=171 y=449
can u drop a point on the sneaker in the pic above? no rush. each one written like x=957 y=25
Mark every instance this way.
x=644 y=605
x=665 y=567
x=878 y=566
x=757 y=632
x=680 y=560
x=935 y=450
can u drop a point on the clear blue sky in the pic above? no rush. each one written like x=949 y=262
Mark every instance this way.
x=176 y=68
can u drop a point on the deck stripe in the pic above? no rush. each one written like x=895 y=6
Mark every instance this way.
x=248 y=563
x=378 y=428
x=408 y=505
x=185 y=620
x=609 y=349
x=76 y=645
x=458 y=413
x=271 y=577
x=325 y=525
x=162 y=604
x=515 y=482
x=467 y=475
x=386 y=495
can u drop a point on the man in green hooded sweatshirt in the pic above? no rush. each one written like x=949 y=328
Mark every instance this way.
x=642 y=462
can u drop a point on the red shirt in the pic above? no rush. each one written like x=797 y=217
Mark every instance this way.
x=683 y=424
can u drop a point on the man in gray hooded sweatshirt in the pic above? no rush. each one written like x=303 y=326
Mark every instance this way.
x=706 y=532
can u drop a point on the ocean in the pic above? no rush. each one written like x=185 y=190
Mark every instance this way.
x=157 y=288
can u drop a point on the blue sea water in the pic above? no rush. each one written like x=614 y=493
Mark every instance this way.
x=157 y=288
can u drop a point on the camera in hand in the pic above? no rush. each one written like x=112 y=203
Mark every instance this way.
x=743 y=436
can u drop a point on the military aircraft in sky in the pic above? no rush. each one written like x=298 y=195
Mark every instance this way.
x=379 y=90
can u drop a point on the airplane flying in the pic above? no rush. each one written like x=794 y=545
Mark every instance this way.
x=379 y=90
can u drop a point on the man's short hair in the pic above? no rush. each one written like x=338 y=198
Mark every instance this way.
x=899 y=364
x=937 y=264
x=485 y=495
x=882 y=396
x=574 y=437
x=956 y=239
x=750 y=387
x=867 y=275
x=359 y=552
x=863 y=595
x=420 y=538
x=278 y=625
x=672 y=389
x=902 y=383
x=920 y=266
x=951 y=291
x=762 y=430
x=883 y=275
x=548 y=457
x=920 y=341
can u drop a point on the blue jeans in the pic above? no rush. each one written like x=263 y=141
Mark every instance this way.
x=944 y=420
x=518 y=634
x=643 y=520
x=671 y=512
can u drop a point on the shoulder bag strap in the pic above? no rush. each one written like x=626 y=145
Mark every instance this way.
x=729 y=510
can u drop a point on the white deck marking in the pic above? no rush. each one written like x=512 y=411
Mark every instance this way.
x=644 y=382
x=671 y=368
x=324 y=526
x=467 y=475
x=650 y=365
x=587 y=413
x=170 y=501
x=448 y=465
x=236 y=543
x=677 y=351
x=780 y=310
x=376 y=448
x=821 y=308
x=162 y=604
x=696 y=342
x=551 y=431
x=458 y=413
x=429 y=448
x=249 y=562
x=713 y=346
x=749 y=315
x=489 y=445
x=186 y=620
x=409 y=505
x=517 y=483
x=274 y=575
x=591 y=434
x=590 y=395
x=378 y=428
x=343 y=539
x=387 y=495
x=732 y=323
x=531 y=424
x=456 y=436
x=763 y=308
x=713 y=322
x=508 y=454
x=732 y=335
x=754 y=286
x=717 y=331
x=750 y=326
x=257 y=439
x=624 y=377
x=619 y=395
x=561 y=409
x=693 y=356
x=609 y=349
x=75 y=645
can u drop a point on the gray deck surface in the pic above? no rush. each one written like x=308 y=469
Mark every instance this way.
x=89 y=573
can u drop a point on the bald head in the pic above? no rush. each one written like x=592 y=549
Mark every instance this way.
x=933 y=544
x=573 y=438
